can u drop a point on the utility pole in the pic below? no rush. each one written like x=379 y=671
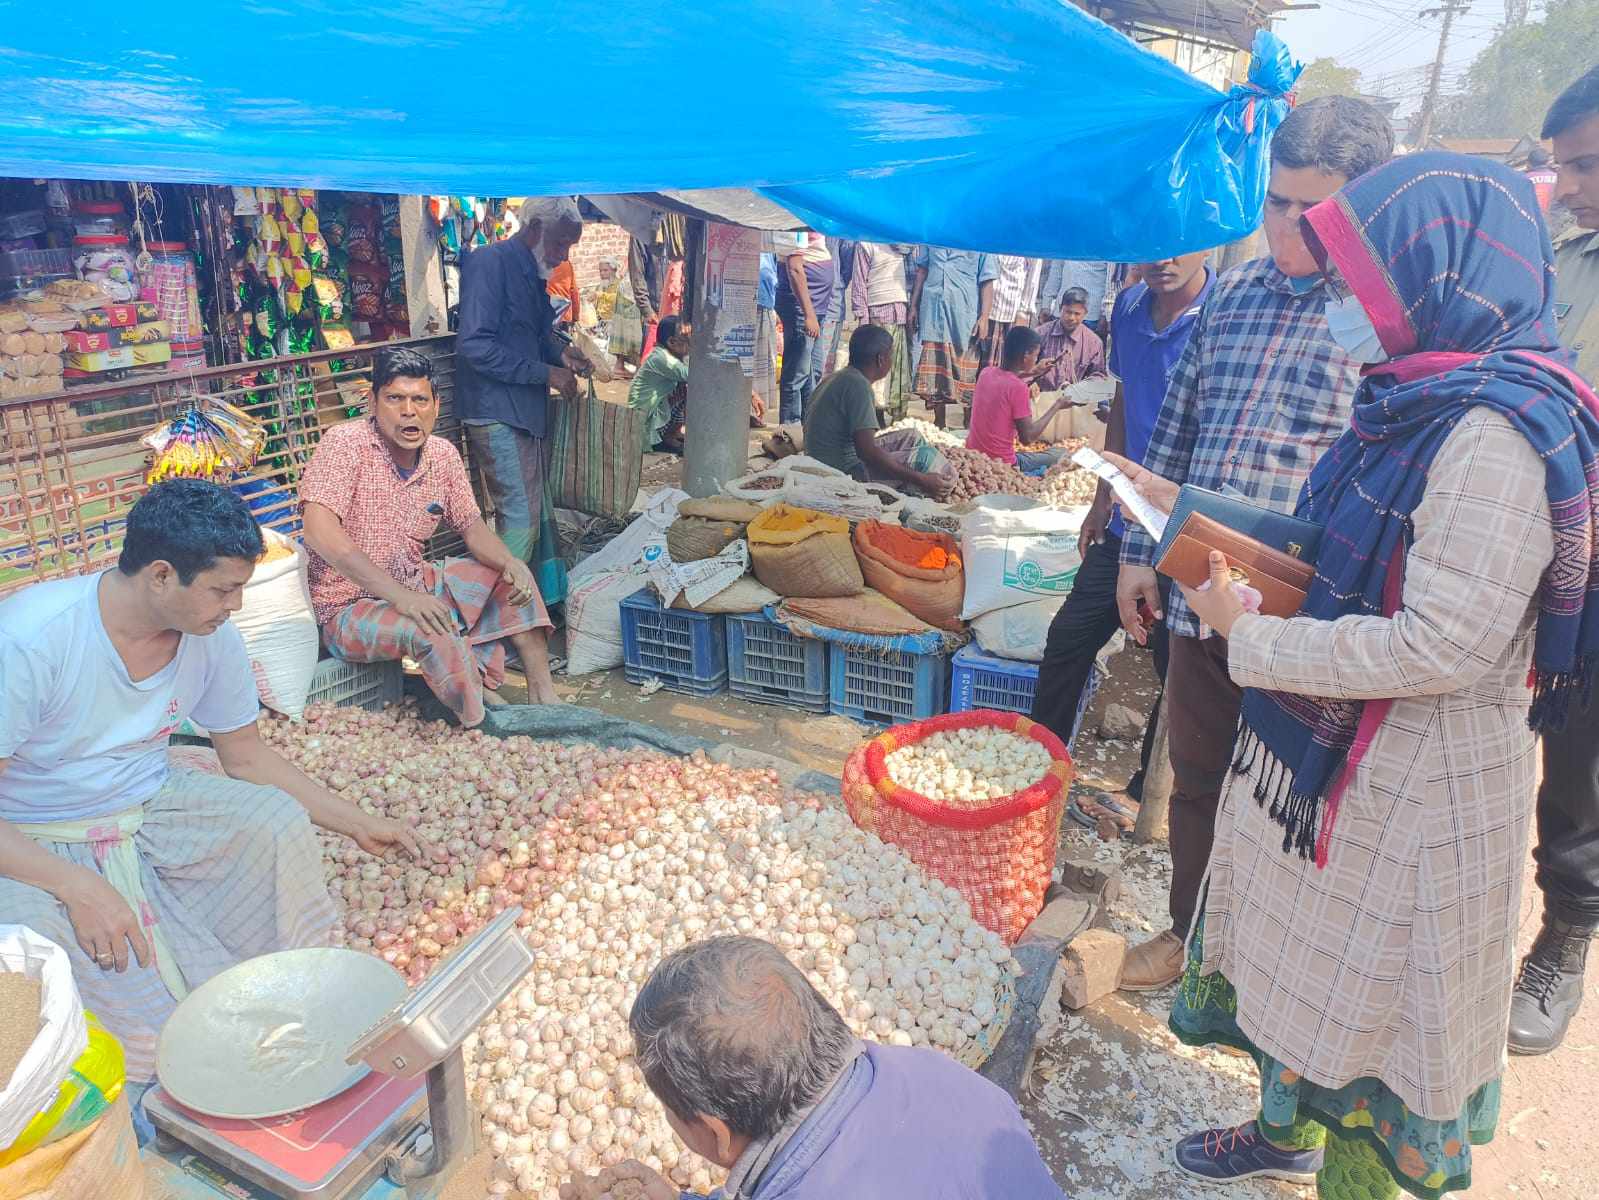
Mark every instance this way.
x=717 y=446
x=1429 y=106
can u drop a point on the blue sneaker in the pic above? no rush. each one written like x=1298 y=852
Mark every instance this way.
x=1222 y=1155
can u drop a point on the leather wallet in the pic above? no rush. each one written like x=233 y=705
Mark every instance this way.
x=1281 y=579
x=1292 y=536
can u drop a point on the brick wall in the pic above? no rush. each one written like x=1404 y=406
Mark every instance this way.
x=600 y=240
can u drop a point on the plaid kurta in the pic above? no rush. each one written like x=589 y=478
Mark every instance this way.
x=1395 y=961
x=1260 y=392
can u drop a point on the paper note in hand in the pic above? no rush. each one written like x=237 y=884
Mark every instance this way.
x=1134 y=505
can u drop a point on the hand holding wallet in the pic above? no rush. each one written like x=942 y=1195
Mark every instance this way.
x=1282 y=580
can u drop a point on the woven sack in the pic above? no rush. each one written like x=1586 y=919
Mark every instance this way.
x=869 y=612
x=596 y=454
x=720 y=508
x=797 y=552
x=1001 y=857
x=689 y=539
x=746 y=594
x=931 y=593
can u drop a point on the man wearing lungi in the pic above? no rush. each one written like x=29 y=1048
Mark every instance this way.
x=376 y=490
x=154 y=879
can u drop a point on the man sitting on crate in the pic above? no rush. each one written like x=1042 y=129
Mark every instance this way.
x=759 y=1075
x=375 y=491
x=151 y=877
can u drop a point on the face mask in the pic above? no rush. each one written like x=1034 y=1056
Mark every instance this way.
x=1352 y=329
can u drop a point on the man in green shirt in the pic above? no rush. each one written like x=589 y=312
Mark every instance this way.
x=841 y=417
x=1573 y=127
x=661 y=386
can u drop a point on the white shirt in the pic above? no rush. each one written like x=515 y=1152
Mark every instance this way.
x=1015 y=289
x=84 y=740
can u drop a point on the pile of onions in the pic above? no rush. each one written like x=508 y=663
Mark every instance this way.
x=976 y=474
x=621 y=857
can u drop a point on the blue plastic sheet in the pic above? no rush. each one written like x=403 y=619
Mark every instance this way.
x=1019 y=126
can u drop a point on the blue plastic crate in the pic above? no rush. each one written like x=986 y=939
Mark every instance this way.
x=768 y=664
x=886 y=688
x=686 y=651
x=979 y=680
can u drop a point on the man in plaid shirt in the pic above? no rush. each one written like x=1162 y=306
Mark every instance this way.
x=1259 y=393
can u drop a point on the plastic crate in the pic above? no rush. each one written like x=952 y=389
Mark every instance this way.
x=886 y=687
x=768 y=664
x=686 y=651
x=357 y=685
x=979 y=680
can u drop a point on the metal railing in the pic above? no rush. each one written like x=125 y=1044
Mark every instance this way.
x=71 y=463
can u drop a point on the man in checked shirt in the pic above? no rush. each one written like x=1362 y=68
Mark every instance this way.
x=1259 y=393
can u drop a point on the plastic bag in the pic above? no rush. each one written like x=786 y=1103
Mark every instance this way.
x=596 y=454
x=100 y=1162
x=63 y=1034
x=90 y=1088
x=279 y=627
x=627 y=548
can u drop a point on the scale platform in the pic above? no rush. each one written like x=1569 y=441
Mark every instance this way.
x=332 y=1151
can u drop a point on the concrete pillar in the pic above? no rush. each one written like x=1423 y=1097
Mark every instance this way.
x=717 y=445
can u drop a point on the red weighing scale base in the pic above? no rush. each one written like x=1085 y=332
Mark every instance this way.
x=335 y=1150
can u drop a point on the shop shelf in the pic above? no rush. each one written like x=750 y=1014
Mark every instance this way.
x=768 y=664
x=886 y=687
x=357 y=685
x=42 y=263
x=686 y=651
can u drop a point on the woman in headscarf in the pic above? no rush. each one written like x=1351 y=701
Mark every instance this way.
x=1360 y=917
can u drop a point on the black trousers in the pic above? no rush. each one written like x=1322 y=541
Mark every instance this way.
x=1567 y=853
x=1079 y=631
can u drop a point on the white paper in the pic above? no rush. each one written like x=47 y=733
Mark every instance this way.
x=1134 y=505
x=696 y=581
x=732 y=273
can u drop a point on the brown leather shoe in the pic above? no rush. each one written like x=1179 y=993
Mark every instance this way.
x=1153 y=965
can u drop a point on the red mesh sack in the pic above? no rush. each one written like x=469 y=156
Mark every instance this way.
x=1000 y=857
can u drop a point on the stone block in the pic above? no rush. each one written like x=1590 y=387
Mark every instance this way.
x=1091 y=967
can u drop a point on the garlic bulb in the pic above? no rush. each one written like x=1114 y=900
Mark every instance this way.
x=968 y=767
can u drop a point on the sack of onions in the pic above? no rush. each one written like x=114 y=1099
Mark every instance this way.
x=975 y=799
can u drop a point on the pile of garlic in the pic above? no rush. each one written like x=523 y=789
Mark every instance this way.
x=967 y=768
x=621 y=857
x=896 y=953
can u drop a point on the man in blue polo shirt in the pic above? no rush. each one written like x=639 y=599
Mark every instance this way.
x=1149 y=328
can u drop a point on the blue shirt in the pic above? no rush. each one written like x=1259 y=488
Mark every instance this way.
x=1143 y=357
x=948 y=311
x=766 y=288
x=507 y=341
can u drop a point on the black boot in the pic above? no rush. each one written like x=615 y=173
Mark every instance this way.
x=1549 y=988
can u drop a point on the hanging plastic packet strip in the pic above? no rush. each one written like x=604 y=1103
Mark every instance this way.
x=211 y=437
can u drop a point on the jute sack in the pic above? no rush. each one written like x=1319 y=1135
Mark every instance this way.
x=690 y=539
x=98 y=1163
x=720 y=508
x=798 y=552
x=746 y=594
x=892 y=559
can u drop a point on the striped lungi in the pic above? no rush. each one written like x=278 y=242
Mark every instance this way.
x=231 y=870
x=765 y=381
x=891 y=389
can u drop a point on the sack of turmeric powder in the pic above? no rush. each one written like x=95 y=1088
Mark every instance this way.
x=799 y=552
x=921 y=572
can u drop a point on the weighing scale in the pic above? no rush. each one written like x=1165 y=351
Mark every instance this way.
x=382 y=1116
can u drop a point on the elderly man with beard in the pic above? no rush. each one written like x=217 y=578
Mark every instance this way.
x=508 y=360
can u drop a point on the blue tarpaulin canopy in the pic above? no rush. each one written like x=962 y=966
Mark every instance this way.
x=1018 y=126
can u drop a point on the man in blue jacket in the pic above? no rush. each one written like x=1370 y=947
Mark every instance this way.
x=759 y=1075
x=509 y=358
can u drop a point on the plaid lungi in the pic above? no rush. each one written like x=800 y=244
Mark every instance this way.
x=457 y=668
x=889 y=391
x=944 y=377
x=231 y=870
